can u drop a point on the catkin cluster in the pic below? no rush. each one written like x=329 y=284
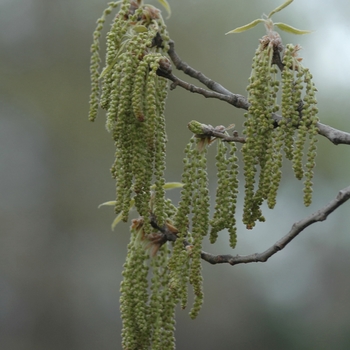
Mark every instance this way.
x=192 y=216
x=133 y=95
x=147 y=304
x=157 y=273
x=299 y=118
x=265 y=139
x=195 y=201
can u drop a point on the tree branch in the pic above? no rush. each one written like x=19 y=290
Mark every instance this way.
x=181 y=65
x=336 y=136
x=219 y=132
x=218 y=91
x=169 y=233
x=236 y=100
x=298 y=227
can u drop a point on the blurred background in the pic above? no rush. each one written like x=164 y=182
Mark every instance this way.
x=60 y=263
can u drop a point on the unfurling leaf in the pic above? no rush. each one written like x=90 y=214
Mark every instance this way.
x=117 y=220
x=171 y=185
x=290 y=29
x=107 y=203
x=120 y=215
x=166 y=6
x=108 y=68
x=140 y=29
x=246 y=27
x=279 y=8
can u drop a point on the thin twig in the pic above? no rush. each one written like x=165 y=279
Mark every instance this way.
x=219 y=132
x=320 y=215
x=336 y=136
x=236 y=100
x=181 y=65
x=298 y=227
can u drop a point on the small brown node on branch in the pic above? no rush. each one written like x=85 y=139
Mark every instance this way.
x=157 y=41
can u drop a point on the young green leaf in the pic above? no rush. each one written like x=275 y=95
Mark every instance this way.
x=108 y=68
x=246 y=27
x=115 y=60
x=107 y=203
x=116 y=221
x=166 y=6
x=279 y=8
x=120 y=215
x=290 y=29
x=140 y=29
x=171 y=185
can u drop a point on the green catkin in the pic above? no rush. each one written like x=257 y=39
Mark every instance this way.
x=275 y=168
x=139 y=93
x=175 y=266
x=118 y=29
x=233 y=186
x=178 y=264
x=307 y=129
x=143 y=175
x=96 y=60
x=161 y=140
x=133 y=300
x=184 y=279
x=112 y=102
x=167 y=303
x=200 y=224
x=156 y=110
x=218 y=222
x=127 y=170
x=183 y=210
x=310 y=112
x=226 y=193
x=290 y=119
x=259 y=132
x=155 y=319
x=170 y=209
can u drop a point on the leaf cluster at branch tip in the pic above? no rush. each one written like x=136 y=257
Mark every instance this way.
x=269 y=24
